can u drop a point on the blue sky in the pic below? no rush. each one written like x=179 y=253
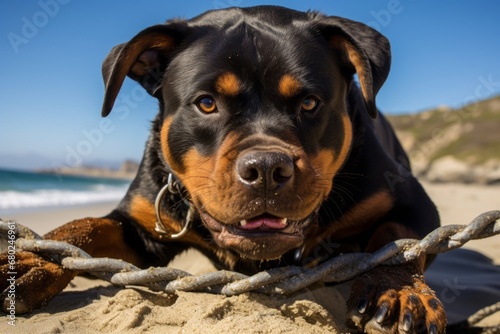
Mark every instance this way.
x=444 y=53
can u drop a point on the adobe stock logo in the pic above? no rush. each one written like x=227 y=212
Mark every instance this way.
x=383 y=17
x=218 y=4
x=31 y=25
x=95 y=137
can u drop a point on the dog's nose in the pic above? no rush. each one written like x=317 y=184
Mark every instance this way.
x=264 y=170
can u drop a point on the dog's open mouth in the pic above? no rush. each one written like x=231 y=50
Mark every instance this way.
x=264 y=237
x=263 y=223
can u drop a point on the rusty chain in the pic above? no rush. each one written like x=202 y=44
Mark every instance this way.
x=282 y=280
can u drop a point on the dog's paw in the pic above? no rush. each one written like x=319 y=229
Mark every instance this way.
x=390 y=300
x=27 y=281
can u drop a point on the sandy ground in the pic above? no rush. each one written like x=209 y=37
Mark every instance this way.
x=94 y=306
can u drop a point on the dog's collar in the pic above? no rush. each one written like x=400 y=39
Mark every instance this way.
x=177 y=206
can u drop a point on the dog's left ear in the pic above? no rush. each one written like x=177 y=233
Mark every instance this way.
x=362 y=50
x=144 y=59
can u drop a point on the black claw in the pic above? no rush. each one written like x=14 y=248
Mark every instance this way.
x=362 y=305
x=434 y=303
x=433 y=329
x=407 y=321
x=381 y=313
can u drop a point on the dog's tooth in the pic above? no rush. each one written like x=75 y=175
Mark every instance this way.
x=243 y=222
x=284 y=221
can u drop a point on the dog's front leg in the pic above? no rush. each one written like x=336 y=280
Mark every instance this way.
x=38 y=280
x=395 y=299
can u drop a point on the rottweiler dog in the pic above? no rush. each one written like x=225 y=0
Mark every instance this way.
x=265 y=152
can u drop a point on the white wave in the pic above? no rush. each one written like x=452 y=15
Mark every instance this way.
x=12 y=200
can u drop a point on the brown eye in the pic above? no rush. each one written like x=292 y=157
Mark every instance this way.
x=309 y=104
x=207 y=105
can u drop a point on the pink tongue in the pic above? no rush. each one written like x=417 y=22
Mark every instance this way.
x=272 y=223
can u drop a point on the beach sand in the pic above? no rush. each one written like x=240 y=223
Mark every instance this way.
x=94 y=306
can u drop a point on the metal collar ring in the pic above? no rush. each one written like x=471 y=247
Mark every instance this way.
x=172 y=188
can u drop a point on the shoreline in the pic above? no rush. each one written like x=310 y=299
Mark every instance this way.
x=43 y=220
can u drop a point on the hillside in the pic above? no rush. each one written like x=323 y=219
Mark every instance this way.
x=127 y=171
x=446 y=145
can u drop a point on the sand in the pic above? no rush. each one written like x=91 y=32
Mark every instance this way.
x=94 y=306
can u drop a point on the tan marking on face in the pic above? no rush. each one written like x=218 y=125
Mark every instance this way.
x=328 y=162
x=209 y=179
x=343 y=153
x=164 y=144
x=198 y=170
x=164 y=138
x=228 y=84
x=289 y=86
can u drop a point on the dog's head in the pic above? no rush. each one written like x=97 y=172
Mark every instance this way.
x=254 y=120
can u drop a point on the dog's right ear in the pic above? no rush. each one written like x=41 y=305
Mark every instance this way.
x=144 y=58
x=363 y=50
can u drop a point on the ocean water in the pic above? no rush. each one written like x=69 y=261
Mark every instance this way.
x=27 y=191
